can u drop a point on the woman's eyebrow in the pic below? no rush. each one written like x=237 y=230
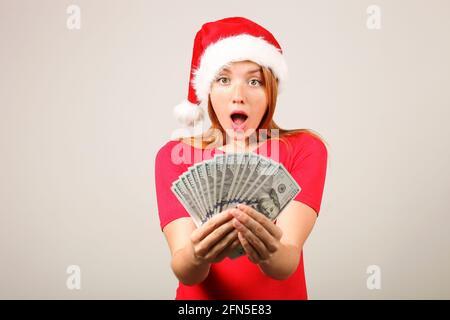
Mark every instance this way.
x=254 y=71
x=248 y=72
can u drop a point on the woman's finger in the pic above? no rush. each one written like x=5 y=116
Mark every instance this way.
x=256 y=228
x=251 y=252
x=211 y=225
x=262 y=219
x=221 y=246
x=215 y=237
x=253 y=239
x=228 y=250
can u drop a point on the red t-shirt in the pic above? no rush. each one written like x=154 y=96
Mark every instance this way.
x=304 y=156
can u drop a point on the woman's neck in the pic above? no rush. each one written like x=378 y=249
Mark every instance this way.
x=239 y=146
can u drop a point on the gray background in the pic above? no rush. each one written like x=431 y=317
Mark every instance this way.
x=83 y=113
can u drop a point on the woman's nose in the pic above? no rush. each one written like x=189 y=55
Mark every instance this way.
x=238 y=94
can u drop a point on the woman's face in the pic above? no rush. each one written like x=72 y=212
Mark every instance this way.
x=238 y=98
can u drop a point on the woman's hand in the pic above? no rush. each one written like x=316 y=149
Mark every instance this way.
x=215 y=239
x=259 y=236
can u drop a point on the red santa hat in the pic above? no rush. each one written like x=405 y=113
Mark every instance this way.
x=217 y=44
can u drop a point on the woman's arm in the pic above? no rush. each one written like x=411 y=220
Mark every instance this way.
x=275 y=248
x=296 y=223
x=194 y=249
x=183 y=263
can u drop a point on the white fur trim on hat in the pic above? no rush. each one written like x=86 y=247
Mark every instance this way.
x=188 y=113
x=237 y=48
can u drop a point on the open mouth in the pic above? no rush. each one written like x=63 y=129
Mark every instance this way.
x=238 y=117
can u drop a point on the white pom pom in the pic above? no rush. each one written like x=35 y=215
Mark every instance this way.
x=188 y=113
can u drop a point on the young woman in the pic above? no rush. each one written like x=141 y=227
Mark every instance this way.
x=237 y=69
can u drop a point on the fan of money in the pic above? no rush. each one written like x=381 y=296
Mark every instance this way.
x=212 y=186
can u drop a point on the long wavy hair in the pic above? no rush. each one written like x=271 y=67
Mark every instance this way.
x=216 y=135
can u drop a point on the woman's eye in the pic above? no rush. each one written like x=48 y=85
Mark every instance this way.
x=223 y=80
x=255 y=82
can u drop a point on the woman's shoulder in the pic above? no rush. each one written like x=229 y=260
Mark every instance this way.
x=178 y=152
x=165 y=151
x=306 y=141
